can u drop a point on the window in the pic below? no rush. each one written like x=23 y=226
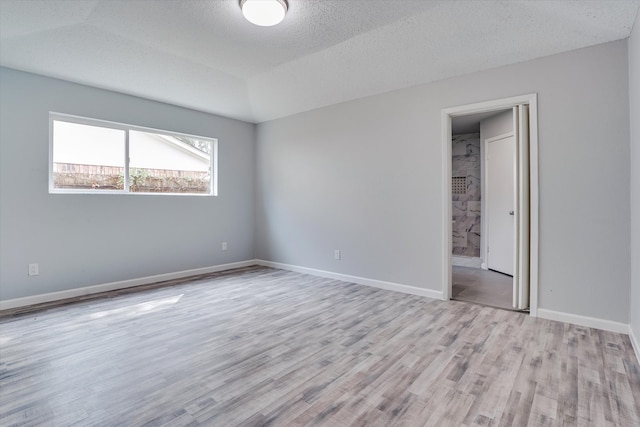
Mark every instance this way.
x=94 y=156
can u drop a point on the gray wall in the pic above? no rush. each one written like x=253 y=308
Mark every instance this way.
x=366 y=177
x=634 y=114
x=83 y=240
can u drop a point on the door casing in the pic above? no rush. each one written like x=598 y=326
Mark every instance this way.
x=500 y=104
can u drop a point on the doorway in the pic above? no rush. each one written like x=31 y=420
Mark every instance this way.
x=509 y=237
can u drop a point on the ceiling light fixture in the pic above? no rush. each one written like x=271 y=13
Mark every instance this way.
x=264 y=12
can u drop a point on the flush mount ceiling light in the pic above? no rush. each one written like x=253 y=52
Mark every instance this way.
x=264 y=12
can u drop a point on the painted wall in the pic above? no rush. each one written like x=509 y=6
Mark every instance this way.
x=465 y=207
x=83 y=240
x=634 y=114
x=366 y=177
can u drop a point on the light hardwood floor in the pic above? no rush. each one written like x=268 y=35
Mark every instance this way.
x=259 y=347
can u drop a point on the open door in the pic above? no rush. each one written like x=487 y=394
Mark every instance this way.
x=522 y=229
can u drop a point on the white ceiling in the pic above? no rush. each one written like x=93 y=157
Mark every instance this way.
x=202 y=54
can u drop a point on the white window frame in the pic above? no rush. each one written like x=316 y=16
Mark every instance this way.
x=53 y=116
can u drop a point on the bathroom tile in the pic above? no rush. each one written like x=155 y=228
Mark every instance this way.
x=471 y=251
x=473 y=239
x=476 y=227
x=465 y=165
x=473 y=185
x=473 y=170
x=473 y=245
x=464 y=197
x=459 y=208
x=466 y=226
x=459 y=239
x=473 y=146
x=465 y=223
x=473 y=208
x=458 y=147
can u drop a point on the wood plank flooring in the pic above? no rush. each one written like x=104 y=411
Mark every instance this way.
x=265 y=347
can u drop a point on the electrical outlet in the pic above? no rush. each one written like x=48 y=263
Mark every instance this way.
x=33 y=270
x=337 y=255
x=224 y=246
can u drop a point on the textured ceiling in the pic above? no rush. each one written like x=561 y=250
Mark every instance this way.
x=202 y=54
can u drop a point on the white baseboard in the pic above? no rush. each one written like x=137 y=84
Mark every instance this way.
x=635 y=343
x=105 y=287
x=575 y=319
x=466 y=261
x=589 y=322
x=390 y=286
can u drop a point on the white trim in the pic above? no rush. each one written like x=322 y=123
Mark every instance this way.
x=105 y=287
x=495 y=105
x=396 y=287
x=51 y=188
x=447 y=218
x=466 y=261
x=127 y=166
x=589 y=322
x=635 y=343
x=534 y=200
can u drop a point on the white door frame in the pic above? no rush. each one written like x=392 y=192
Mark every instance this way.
x=495 y=105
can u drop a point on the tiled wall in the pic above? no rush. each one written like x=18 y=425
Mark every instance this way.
x=466 y=207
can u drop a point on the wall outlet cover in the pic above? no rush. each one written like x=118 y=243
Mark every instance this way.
x=33 y=270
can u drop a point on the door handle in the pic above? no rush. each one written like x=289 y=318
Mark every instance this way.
x=511 y=213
